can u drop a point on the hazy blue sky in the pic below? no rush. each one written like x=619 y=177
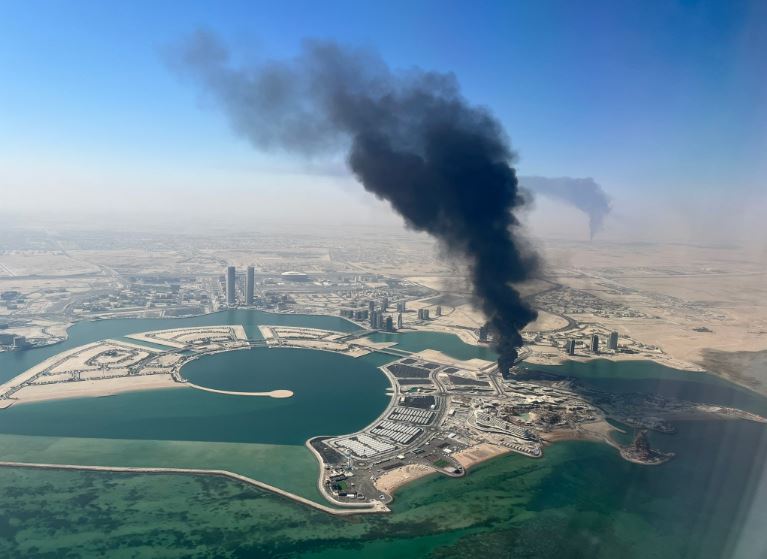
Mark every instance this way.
x=663 y=103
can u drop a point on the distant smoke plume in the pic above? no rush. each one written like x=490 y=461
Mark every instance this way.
x=410 y=138
x=584 y=194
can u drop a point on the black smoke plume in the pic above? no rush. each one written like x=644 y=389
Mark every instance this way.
x=584 y=194
x=410 y=139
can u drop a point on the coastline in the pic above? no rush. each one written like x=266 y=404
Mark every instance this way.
x=469 y=457
x=392 y=480
x=93 y=388
x=372 y=508
x=482 y=452
x=597 y=431
x=68 y=325
x=663 y=359
x=388 y=482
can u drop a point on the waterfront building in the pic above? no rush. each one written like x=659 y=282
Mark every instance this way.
x=19 y=342
x=594 y=344
x=399 y=321
x=439 y=310
x=250 y=285
x=377 y=320
x=612 y=343
x=570 y=346
x=231 y=296
x=384 y=304
x=389 y=324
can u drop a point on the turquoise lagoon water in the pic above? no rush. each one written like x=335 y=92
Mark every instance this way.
x=15 y=362
x=581 y=500
x=182 y=427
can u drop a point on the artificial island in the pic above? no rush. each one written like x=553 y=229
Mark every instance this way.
x=444 y=414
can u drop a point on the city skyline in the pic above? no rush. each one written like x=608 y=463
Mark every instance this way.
x=397 y=279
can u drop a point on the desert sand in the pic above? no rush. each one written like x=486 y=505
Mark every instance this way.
x=439 y=357
x=473 y=455
x=598 y=431
x=93 y=388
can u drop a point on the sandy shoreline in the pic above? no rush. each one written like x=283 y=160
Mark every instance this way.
x=279 y=393
x=396 y=478
x=113 y=386
x=477 y=454
x=42 y=366
x=468 y=457
x=93 y=388
x=598 y=431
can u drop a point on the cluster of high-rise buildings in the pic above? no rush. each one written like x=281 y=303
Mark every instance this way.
x=13 y=341
x=379 y=320
x=231 y=286
x=355 y=314
x=377 y=316
x=612 y=344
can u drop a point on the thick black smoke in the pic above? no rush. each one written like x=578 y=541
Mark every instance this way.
x=411 y=139
x=584 y=194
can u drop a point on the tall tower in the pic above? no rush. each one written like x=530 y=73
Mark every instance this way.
x=231 y=296
x=250 y=285
x=613 y=341
x=594 y=344
x=399 y=321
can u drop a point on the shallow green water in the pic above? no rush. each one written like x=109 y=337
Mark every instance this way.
x=579 y=500
x=290 y=467
x=184 y=427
